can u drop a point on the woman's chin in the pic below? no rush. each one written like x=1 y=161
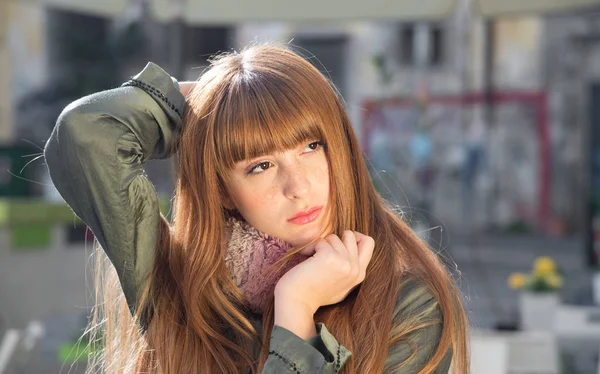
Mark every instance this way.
x=310 y=240
x=306 y=236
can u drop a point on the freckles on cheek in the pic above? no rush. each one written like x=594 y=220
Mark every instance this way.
x=259 y=199
x=270 y=193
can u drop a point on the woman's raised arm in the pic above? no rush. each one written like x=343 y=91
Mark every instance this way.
x=95 y=156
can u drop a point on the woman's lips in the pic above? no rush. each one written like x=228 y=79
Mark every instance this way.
x=303 y=218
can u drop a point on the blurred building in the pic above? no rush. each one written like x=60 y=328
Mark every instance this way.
x=528 y=78
x=516 y=84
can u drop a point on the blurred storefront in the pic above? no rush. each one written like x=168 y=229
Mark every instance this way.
x=469 y=56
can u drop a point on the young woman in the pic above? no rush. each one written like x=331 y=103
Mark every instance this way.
x=280 y=256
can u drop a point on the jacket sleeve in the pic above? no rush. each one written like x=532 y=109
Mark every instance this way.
x=95 y=157
x=416 y=306
x=323 y=354
x=288 y=353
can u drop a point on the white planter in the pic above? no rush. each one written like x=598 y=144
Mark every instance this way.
x=538 y=310
x=596 y=287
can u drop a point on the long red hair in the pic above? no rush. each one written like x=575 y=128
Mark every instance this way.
x=247 y=104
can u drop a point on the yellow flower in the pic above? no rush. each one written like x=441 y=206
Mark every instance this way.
x=544 y=265
x=517 y=281
x=554 y=280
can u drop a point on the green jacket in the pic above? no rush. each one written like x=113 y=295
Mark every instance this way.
x=96 y=155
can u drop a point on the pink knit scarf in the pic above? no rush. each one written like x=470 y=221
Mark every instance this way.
x=249 y=254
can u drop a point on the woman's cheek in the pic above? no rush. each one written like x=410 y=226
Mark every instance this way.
x=321 y=173
x=271 y=192
x=261 y=201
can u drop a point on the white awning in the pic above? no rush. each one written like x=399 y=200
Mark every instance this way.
x=495 y=8
x=231 y=11
x=234 y=11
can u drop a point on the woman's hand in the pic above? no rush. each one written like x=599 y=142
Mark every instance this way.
x=334 y=270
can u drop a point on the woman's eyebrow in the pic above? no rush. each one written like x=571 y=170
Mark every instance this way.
x=248 y=161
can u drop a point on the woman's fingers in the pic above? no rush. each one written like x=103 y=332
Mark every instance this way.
x=365 y=244
x=337 y=266
x=336 y=243
x=349 y=240
x=356 y=250
x=361 y=237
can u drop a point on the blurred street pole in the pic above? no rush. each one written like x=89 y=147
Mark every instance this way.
x=489 y=90
x=488 y=70
x=463 y=49
x=464 y=44
x=6 y=113
x=422 y=52
x=177 y=30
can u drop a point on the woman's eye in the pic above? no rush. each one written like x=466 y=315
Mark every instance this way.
x=258 y=168
x=313 y=146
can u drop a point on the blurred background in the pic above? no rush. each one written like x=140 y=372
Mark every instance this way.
x=480 y=120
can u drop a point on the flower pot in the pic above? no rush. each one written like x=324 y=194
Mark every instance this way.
x=538 y=310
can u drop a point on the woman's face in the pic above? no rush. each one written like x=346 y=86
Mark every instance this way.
x=285 y=194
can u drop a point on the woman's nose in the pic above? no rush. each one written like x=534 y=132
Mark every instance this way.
x=297 y=184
